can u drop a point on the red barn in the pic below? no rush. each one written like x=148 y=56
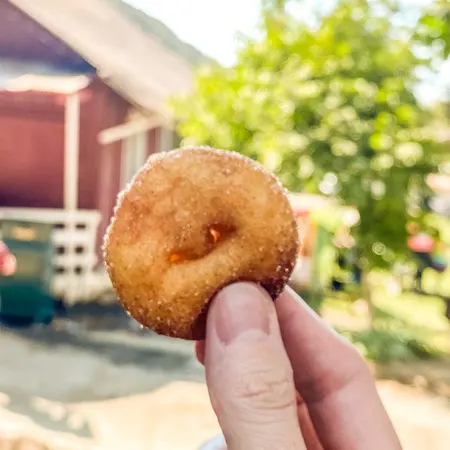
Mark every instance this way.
x=83 y=102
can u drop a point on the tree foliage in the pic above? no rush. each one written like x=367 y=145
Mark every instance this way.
x=434 y=26
x=330 y=109
x=274 y=5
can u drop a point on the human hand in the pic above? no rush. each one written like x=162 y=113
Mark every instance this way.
x=7 y=261
x=280 y=378
x=9 y=265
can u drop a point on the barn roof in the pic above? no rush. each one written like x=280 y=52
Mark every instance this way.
x=132 y=62
x=22 y=76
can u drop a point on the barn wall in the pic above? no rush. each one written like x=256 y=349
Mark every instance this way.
x=32 y=128
x=32 y=150
x=31 y=139
x=110 y=111
x=99 y=169
x=152 y=141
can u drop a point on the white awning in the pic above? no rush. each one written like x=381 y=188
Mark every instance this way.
x=58 y=84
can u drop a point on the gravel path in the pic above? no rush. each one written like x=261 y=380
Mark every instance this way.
x=96 y=389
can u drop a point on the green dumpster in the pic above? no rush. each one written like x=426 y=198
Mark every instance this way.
x=25 y=296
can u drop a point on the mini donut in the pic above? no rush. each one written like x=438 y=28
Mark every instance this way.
x=192 y=221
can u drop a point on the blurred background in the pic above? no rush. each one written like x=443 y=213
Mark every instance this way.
x=348 y=102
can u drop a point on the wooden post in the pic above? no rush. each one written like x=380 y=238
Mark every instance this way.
x=71 y=151
x=71 y=163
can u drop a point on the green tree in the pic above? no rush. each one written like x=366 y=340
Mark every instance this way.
x=274 y=4
x=329 y=108
x=434 y=26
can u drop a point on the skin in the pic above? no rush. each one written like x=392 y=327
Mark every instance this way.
x=7 y=261
x=280 y=378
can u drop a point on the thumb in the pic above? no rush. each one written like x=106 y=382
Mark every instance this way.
x=249 y=375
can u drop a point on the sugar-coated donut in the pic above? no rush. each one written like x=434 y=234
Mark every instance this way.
x=192 y=221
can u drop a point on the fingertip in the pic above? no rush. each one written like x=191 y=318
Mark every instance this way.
x=322 y=359
x=248 y=373
x=291 y=306
x=238 y=309
x=200 y=351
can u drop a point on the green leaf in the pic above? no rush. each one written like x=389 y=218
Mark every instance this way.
x=334 y=98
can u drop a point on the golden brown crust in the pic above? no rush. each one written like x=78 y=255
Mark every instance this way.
x=192 y=221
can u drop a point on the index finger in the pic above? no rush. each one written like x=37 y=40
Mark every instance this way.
x=334 y=381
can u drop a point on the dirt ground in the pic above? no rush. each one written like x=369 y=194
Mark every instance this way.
x=114 y=389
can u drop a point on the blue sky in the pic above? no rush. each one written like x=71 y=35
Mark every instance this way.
x=212 y=25
x=209 y=25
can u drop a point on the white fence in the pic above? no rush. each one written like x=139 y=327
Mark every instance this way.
x=76 y=277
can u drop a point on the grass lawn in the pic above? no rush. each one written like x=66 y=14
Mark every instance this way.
x=411 y=340
x=418 y=316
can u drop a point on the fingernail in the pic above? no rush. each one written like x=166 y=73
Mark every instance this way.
x=240 y=308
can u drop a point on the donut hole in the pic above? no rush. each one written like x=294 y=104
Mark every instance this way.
x=219 y=232
x=177 y=257
x=215 y=234
x=184 y=255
